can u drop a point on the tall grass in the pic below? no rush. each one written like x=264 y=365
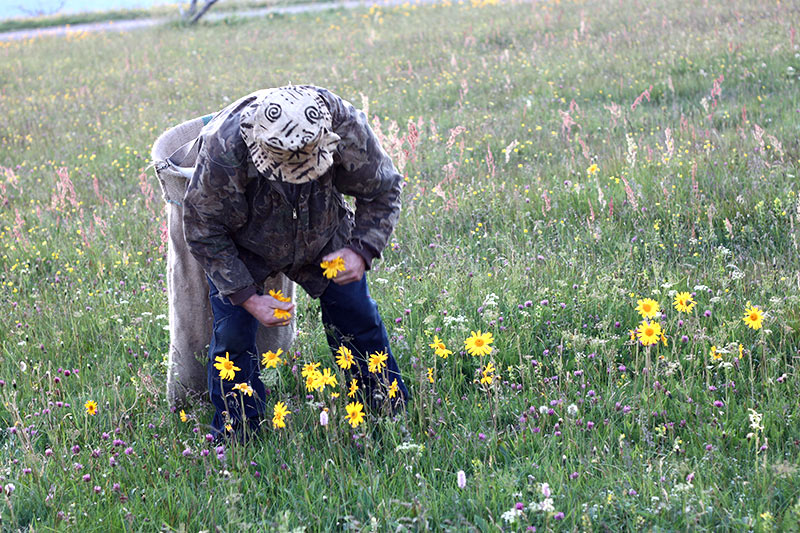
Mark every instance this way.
x=563 y=160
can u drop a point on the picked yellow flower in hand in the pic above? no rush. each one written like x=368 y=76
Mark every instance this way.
x=333 y=267
x=226 y=367
x=278 y=295
x=282 y=313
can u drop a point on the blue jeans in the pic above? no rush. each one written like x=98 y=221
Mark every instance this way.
x=350 y=317
x=234 y=333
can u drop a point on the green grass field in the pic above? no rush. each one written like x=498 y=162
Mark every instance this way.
x=564 y=160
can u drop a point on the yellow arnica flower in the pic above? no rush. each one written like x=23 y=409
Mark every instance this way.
x=282 y=313
x=430 y=374
x=487 y=374
x=279 y=412
x=309 y=368
x=271 y=359
x=714 y=355
x=439 y=347
x=91 y=407
x=353 y=388
x=278 y=295
x=333 y=267
x=315 y=381
x=753 y=316
x=647 y=308
x=226 y=367
x=393 y=388
x=344 y=358
x=479 y=343
x=328 y=378
x=377 y=361
x=355 y=413
x=244 y=388
x=684 y=303
x=184 y=418
x=592 y=169
x=649 y=332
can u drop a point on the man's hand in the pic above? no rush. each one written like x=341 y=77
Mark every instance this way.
x=263 y=309
x=354 y=266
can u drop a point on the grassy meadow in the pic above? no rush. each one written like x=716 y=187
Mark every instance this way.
x=565 y=162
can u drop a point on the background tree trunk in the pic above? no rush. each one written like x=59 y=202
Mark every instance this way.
x=193 y=15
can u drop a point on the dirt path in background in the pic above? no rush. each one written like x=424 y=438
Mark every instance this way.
x=137 y=24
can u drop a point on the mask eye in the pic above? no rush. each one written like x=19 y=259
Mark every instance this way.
x=273 y=112
x=313 y=114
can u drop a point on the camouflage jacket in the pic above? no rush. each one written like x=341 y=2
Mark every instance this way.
x=243 y=227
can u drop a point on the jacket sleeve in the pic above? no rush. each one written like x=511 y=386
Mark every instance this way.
x=214 y=207
x=366 y=173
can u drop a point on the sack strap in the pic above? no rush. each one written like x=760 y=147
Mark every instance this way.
x=175 y=171
x=186 y=153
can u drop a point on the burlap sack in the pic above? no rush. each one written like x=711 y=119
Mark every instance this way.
x=190 y=319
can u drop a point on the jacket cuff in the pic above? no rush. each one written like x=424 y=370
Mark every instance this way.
x=239 y=297
x=366 y=254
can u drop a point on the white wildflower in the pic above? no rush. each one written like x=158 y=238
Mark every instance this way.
x=546 y=506
x=511 y=516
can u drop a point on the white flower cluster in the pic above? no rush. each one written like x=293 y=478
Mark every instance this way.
x=459 y=322
x=410 y=447
x=490 y=300
x=546 y=505
x=511 y=516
